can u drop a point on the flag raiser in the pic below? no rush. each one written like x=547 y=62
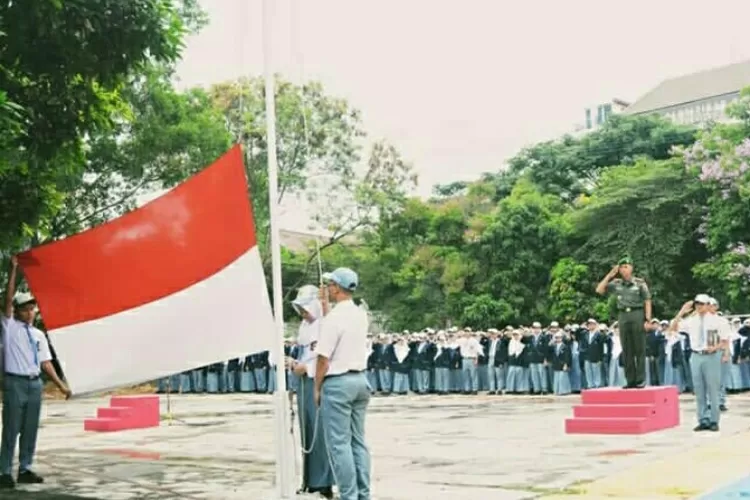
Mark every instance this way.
x=174 y=285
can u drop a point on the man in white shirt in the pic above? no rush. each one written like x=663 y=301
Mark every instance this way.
x=341 y=388
x=709 y=338
x=25 y=354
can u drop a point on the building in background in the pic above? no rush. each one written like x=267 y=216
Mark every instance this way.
x=697 y=98
x=596 y=116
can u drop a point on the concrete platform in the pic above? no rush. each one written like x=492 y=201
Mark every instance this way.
x=451 y=447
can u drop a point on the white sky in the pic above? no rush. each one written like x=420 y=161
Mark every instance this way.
x=460 y=86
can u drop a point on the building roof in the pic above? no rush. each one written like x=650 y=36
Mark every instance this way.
x=694 y=87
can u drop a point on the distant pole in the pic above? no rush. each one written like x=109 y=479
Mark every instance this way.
x=284 y=463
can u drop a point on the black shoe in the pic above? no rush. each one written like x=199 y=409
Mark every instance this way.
x=723 y=408
x=29 y=477
x=701 y=427
x=491 y=393
x=713 y=427
x=6 y=482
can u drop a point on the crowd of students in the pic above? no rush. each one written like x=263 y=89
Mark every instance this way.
x=527 y=360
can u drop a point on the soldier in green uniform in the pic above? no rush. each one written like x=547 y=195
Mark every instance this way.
x=634 y=314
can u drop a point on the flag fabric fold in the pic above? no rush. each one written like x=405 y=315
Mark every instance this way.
x=174 y=285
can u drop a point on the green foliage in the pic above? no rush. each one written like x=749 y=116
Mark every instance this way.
x=63 y=65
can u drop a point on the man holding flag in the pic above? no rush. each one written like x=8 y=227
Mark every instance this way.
x=25 y=354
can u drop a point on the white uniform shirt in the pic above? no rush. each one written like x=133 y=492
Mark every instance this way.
x=471 y=348
x=712 y=324
x=343 y=338
x=309 y=356
x=19 y=345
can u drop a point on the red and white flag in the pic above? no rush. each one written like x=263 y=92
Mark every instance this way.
x=174 y=285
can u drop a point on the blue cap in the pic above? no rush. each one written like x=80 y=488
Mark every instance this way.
x=343 y=277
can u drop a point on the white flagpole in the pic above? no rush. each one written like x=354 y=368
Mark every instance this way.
x=284 y=463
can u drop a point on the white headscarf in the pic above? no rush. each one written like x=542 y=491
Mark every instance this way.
x=308 y=331
x=515 y=347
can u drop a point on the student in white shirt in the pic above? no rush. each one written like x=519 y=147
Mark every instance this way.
x=709 y=336
x=341 y=388
x=316 y=471
x=25 y=354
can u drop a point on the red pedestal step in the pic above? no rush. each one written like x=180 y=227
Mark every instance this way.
x=625 y=411
x=126 y=412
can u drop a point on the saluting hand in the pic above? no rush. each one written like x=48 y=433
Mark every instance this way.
x=686 y=308
x=68 y=393
x=613 y=272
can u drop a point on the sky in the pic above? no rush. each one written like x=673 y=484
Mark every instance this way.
x=461 y=86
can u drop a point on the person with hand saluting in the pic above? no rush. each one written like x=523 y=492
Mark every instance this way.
x=634 y=316
x=25 y=354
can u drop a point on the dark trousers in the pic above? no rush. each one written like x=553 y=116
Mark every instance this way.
x=633 y=340
x=22 y=404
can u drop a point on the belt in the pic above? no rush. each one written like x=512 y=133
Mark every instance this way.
x=25 y=377
x=630 y=309
x=349 y=372
x=705 y=351
x=470 y=357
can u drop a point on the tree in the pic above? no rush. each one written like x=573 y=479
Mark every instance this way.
x=720 y=163
x=569 y=167
x=649 y=211
x=162 y=137
x=63 y=63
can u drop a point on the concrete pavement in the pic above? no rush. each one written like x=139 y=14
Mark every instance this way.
x=450 y=447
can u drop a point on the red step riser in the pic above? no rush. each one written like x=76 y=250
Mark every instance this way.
x=126 y=412
x=620 y=411
x=615 y=411
x=646 y=396
x=607 y=426
x=114 y=412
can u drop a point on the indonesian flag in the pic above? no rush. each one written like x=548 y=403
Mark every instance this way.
x=175 y=285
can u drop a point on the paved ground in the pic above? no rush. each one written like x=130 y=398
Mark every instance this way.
x=454 y=447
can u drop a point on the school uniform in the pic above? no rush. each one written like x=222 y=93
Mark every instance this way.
x=704 y=331
x=470 y=352
x=442 y=362
x=673 y=363
x=372 y=368
x=400 y=366
x=592 y=352
x=654 y=357
x=214 y=374
x=560 y=359
x=536 y=352
x=732 y=374
x=25 y=348
x=317 y=474
x=616 y=375
x=495 y=365
x=345 y=393
x=745 y=360
x=382 y=363
x=456 y=377
x=518 y=376
x=575 y=372
x=260 y=371
x=233 y=372
x=422 y=354
x=687 y=371
x=247 y=377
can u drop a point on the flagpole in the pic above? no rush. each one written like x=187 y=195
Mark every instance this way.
x=284 y=476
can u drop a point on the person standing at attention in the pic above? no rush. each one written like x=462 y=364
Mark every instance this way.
x=25 y=354
x=634 y=307
x=341 y=388
x=709 y=339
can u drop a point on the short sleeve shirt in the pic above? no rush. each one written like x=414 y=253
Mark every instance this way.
x=715 y=329
x=19 y=345
x=631 y=293
x=343 y=338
